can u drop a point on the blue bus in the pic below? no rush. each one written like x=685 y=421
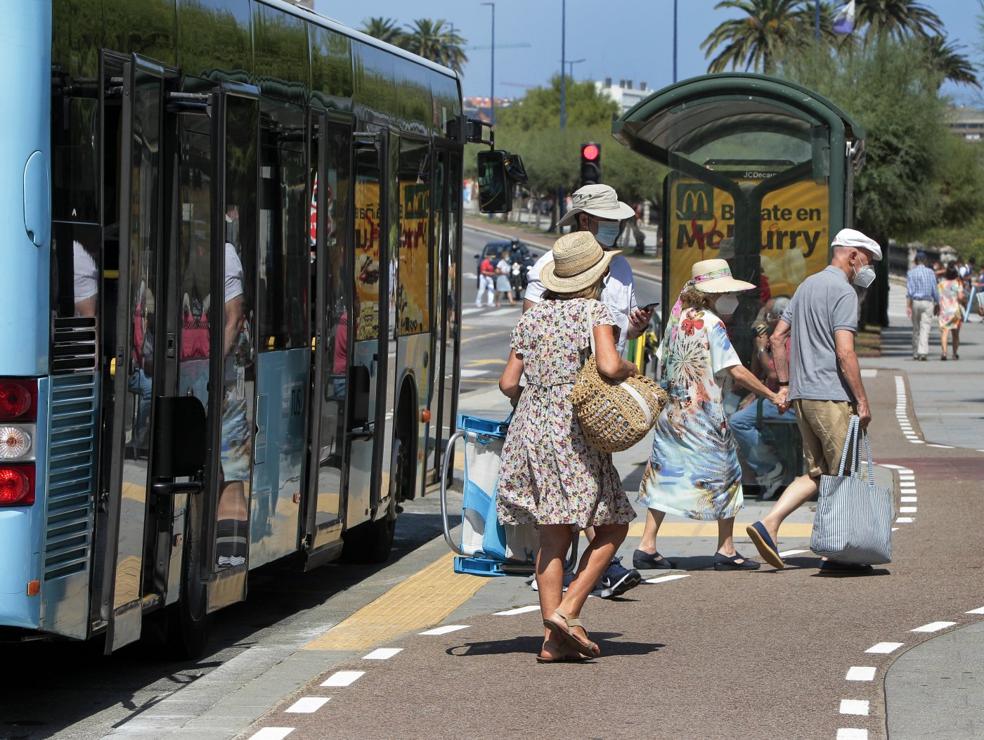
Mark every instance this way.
x=231 y=244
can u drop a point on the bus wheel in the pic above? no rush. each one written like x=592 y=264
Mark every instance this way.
x=187 y=621
x=371 y=542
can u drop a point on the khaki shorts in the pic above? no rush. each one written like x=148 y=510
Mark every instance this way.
x=823 y=427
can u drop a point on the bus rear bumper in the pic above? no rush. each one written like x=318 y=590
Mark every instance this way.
x=17 y=563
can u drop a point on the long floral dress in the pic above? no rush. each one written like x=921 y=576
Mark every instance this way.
x=549 y=474
x=951 y=312
x=694 y=470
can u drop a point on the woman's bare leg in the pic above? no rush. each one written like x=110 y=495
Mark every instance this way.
x=555 y=540
x=944 y=334
x=654 y=518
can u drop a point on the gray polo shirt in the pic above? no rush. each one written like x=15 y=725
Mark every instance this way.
x=824 y=303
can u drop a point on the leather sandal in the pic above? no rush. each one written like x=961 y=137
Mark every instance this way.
x=561 y=628
x=571 y=657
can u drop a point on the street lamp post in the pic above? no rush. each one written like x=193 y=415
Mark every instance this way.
x=563 y=64
x=674 y=40
x=571 y=63
x=492 y=96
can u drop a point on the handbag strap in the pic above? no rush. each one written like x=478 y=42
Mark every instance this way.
x=590 y=325
x=850 y=442
x=871 y=467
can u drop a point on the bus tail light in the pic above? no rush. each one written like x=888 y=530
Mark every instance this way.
x=17 y=485
x=18 y=399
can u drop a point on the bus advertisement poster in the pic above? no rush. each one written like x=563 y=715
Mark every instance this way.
x=367 y=225
x=795 y=231
x=412 y=300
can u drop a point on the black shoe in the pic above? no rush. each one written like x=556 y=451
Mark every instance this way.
x=723 y=562
x=836 y=566
x=642 y=560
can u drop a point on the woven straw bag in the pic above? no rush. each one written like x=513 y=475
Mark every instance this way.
x=614 y=416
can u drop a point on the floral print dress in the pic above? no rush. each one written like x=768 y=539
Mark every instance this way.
x=951 y=311
x=694 y=470
x=549 y=474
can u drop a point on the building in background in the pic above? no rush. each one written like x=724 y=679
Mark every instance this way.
x=479 y=107
x=625 y=93
x=967 y=123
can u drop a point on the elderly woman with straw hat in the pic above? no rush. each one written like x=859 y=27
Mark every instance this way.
x=549 y=475
x=693 y=470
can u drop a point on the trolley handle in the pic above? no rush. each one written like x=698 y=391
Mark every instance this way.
x=445 y=471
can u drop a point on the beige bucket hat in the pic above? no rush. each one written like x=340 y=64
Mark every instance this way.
x=598 y=200
x=714 y=276
x=579 y=261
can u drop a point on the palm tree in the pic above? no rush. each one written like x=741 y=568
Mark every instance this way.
x=757 y=41
x=897 y=18
x=384 y=29
x=434 y=40
x=946 y=59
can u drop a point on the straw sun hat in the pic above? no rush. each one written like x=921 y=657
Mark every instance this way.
x=579 y=261
x=714 y=276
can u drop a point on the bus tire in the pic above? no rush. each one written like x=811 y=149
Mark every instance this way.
x=188 y=619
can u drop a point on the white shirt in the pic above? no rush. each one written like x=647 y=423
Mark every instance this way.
x=233 y=273
x=618 y=293
x=86 y=273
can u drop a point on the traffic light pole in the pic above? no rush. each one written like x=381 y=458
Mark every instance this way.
x=563 y=92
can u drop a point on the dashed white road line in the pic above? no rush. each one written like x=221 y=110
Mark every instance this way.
x=382 y=653
x=518 y=610
x=852 y=733
x=909 y=499
x=884 y=648
x=941 y=447
x=664 y=579
x=445 y=629
x=307 y=705
x=860 y=673
x=908 y=509
x=272 y=733
x=859 y=707
x=979 y=610
x=904 y=520
x=790 y=553
x=343 y=678
x=933 y=627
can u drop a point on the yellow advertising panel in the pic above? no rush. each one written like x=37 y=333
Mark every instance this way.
x=368 y=214
x=795 y=232
x=412 y=295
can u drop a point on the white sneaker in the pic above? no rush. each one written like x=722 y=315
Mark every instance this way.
x=771 y=482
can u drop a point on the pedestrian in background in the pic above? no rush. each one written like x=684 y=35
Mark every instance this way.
x=951 y=292
x=596 y=209
x=922 y=303
x=503 y=270
x=821 y=376
x=486 y=283
x=549 y=475
x=694 y=470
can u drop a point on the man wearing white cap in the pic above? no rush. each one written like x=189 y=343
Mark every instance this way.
x=596 y=208
x=820 y=376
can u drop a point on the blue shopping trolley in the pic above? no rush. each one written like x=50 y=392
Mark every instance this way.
x=486 y=547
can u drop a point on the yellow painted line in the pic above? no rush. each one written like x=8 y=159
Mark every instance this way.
x=421 y=601
x=481 y=363
x=709 y=529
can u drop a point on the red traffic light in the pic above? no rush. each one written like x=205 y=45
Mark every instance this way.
x=590 y=152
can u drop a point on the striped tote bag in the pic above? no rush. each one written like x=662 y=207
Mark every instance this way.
x=853 y=522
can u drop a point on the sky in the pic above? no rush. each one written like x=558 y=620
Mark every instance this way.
x=621 y=39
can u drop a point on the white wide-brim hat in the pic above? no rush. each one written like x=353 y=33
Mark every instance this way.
x=598 y=200
x=714 y=276
x=579 y=262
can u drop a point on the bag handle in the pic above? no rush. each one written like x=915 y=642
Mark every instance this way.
x=851 y=442
x=587 y=321
x=871 y=467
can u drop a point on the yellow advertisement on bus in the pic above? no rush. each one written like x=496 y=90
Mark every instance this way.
x=368 y=214
x=413 y=284
x=795 y=232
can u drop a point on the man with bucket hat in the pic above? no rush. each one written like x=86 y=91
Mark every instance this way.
x=820 y=376
x=597 y=209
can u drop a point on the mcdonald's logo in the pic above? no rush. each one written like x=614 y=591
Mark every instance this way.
x=695 y=201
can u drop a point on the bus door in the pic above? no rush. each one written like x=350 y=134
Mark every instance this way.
x=331 y=161
x=133 y=121
x=368 y=343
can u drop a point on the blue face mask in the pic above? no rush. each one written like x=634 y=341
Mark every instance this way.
x=607 y=233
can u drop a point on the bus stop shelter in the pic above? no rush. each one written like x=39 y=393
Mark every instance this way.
x=760 y=174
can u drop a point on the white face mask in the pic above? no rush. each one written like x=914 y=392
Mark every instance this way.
x=607 y=233
x=726 y=305
x=864 y=277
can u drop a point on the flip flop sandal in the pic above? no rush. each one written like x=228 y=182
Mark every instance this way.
x=766 y=547
x=564 y=658
x=560 y=626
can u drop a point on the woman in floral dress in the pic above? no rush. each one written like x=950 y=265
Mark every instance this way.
x=694 y=470
x=549 y=475
x=951 y=311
